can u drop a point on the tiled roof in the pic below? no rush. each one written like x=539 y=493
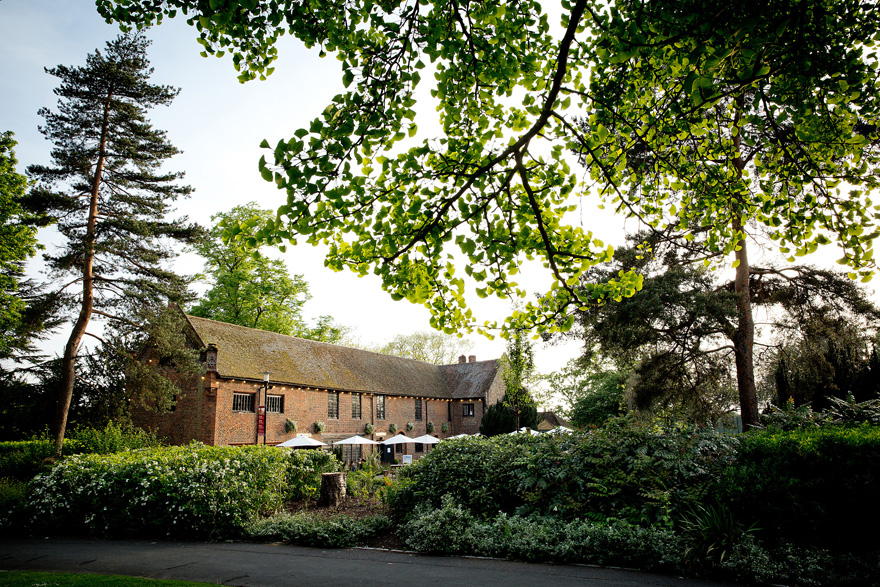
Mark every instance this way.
x=246 y=353
x=464 y=378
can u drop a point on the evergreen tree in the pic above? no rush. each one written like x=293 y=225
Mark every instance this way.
x=23 y=311
x=501 y=419
x=109 y=198
x=519 y=369
x=249 y=289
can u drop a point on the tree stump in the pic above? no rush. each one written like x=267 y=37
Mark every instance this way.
x=332 y=489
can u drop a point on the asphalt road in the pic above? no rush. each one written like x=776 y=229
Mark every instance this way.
x=265 y=565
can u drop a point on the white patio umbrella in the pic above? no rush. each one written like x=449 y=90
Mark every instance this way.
x=356 y=440
x=302 y=442
x=526 y=430
x=560 y=430
x=461 y=436
x=426 y=439
x=399 y=439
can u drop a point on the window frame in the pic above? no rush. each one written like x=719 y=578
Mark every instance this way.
x=249 y=400
x=380 y=407
x=274 y=398
x=356 y=401
x=332 y=405
x=418 y=409
x=467 y=410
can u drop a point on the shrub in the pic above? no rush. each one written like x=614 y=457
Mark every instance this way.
x=318 y=426
x=193 y=491
x=24 y=459
x=304 y=469
x=451 y=529
x=812 y=487
x=307 y=529
x=640 y=475
x=12 y=503
x=112 y=438
x=445 y=530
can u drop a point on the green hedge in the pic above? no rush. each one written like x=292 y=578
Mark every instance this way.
x=193 y=491
x=816 y=487
x=640 y=475
x=24 y=459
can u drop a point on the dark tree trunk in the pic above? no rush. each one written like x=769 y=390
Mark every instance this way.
x=744 y=341
x=744 y=335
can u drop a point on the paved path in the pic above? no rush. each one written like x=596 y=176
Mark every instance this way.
x=275 y=565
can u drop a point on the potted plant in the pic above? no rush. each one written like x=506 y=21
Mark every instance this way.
x=392 y=428
x=444 y=427
x=430 y=427
x=369 y=428
x=410 y=426
x=290 y=425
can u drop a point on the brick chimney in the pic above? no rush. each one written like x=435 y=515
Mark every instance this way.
x=472 y=359
x=462 y=359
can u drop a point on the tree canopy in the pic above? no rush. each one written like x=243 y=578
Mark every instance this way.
x=676 y=336
x=250 y=289
x=710 y=116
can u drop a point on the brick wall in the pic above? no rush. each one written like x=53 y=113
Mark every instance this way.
x=205 y=412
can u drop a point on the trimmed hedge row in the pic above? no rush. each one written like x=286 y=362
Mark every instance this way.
x=813 y=486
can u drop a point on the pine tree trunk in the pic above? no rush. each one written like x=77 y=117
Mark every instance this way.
x=68 y=366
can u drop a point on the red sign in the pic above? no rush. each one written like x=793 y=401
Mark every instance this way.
x=261 y=422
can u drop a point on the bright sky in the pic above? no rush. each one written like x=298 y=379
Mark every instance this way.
x=218 y=123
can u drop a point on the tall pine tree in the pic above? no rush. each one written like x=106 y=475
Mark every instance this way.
x=109 y=198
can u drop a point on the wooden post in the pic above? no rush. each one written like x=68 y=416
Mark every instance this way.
x=332 y=489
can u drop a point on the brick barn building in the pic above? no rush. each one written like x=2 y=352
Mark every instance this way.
x=315 y=382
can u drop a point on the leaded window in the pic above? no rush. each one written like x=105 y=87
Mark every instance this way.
x=355 y=406
x=380 y=407
x=333 y=405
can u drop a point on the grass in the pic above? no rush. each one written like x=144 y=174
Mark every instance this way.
x=34 y=579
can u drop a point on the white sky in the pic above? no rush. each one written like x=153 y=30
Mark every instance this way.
x=219 y=124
